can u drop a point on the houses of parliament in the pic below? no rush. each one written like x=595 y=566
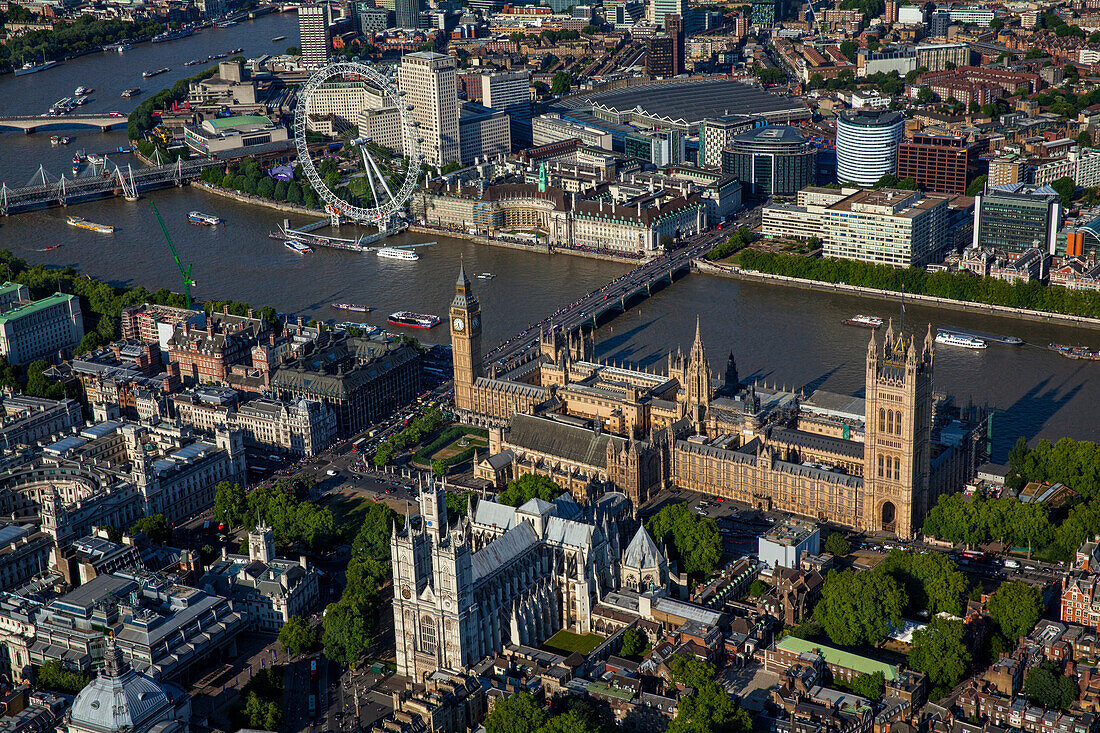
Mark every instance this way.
x=873 y=463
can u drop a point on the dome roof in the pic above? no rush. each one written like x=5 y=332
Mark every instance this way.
x=120 y=699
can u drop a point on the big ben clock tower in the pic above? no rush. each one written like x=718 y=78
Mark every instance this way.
x=465 y=341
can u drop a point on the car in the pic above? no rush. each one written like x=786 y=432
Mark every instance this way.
x=115 y=114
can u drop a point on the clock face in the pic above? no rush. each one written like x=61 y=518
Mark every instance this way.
x=458 y=324
x=405 y=593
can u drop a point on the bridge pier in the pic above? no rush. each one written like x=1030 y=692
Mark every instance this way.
x=29 y=130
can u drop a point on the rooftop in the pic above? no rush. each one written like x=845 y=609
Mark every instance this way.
x=838 y=657
x=26 y=309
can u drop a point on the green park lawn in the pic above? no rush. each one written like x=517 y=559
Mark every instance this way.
x=567 y=642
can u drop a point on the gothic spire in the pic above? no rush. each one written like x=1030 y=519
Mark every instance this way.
x=463 y=281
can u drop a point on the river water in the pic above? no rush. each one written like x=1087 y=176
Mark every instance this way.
x=108 y=74
x=784 y=335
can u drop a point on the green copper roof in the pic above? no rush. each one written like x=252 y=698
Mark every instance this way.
x=220 y=123
x=28 y=308
x=841 y=658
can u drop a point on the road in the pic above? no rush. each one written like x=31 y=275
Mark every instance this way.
x=521 y=346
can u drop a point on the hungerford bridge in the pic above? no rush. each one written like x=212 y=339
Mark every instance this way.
x=46 y=191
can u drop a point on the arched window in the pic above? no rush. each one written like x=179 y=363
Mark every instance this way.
x=881 y=420
x=427 y=634
x=897 y=422
x=890 y=421
x=880 y=462
x=897 y=468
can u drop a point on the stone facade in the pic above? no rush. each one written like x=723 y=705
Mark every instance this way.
x=592 y=426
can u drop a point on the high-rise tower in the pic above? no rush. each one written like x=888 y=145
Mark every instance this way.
x=428 y=83
x=898 y=433
x=313 y=30
x=465 y=341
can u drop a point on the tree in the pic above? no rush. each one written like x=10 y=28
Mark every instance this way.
x=940 y=652
x=346 y=630
x=977 y=185
x=262 y=714
x=519 y=713
x=297 y=636
x=90 y=342
x=53 y=676
x=757 y=588
x=932 y=581
x=870 y=686
x=837 y=545
x=849 y=50
x=156 y=528
x=1084 y=140
x=1016 y=607
x=770 y=75
x=695 y=539
x=1044 y=686
x=666 y=242
x=560 y=82
x=230 y=504
x=925 y=95
x=634 y=642
x=530 y=486
x=372 y=538
x=1066 y=188
x=858 y=608
x=711 y=708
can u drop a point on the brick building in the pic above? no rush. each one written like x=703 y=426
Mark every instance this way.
x=938 y=164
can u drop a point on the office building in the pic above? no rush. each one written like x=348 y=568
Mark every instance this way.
x=407 y=13
x=1016 y=218
x=551 y=128
x=766 y=13
x=39 y=329
x=660 y=57
x=24 y=553
x=485 y=134
x=369 y=19
x=784 y=544
x=27 y=420
x=337 y=104
x=299 y=427
x=113 y=473
x=775 y=160
x=938 y=164
x=662 y=8
x=715 y=134
x=885 y=226
x=510 y=92
x=162 y=628
x=269 y=590
x=430 y=88
x=362 y=380
x=313 y=29
x=867 y=145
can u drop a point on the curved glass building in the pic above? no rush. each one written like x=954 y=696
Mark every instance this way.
x=867 y=145
x=776 y=160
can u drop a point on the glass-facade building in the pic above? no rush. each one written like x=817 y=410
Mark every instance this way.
x=775 y=160
x=1018 y=217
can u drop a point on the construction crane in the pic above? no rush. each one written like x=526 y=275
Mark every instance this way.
x=187 y=281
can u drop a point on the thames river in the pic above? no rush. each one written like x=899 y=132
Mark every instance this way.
x=779 y=335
